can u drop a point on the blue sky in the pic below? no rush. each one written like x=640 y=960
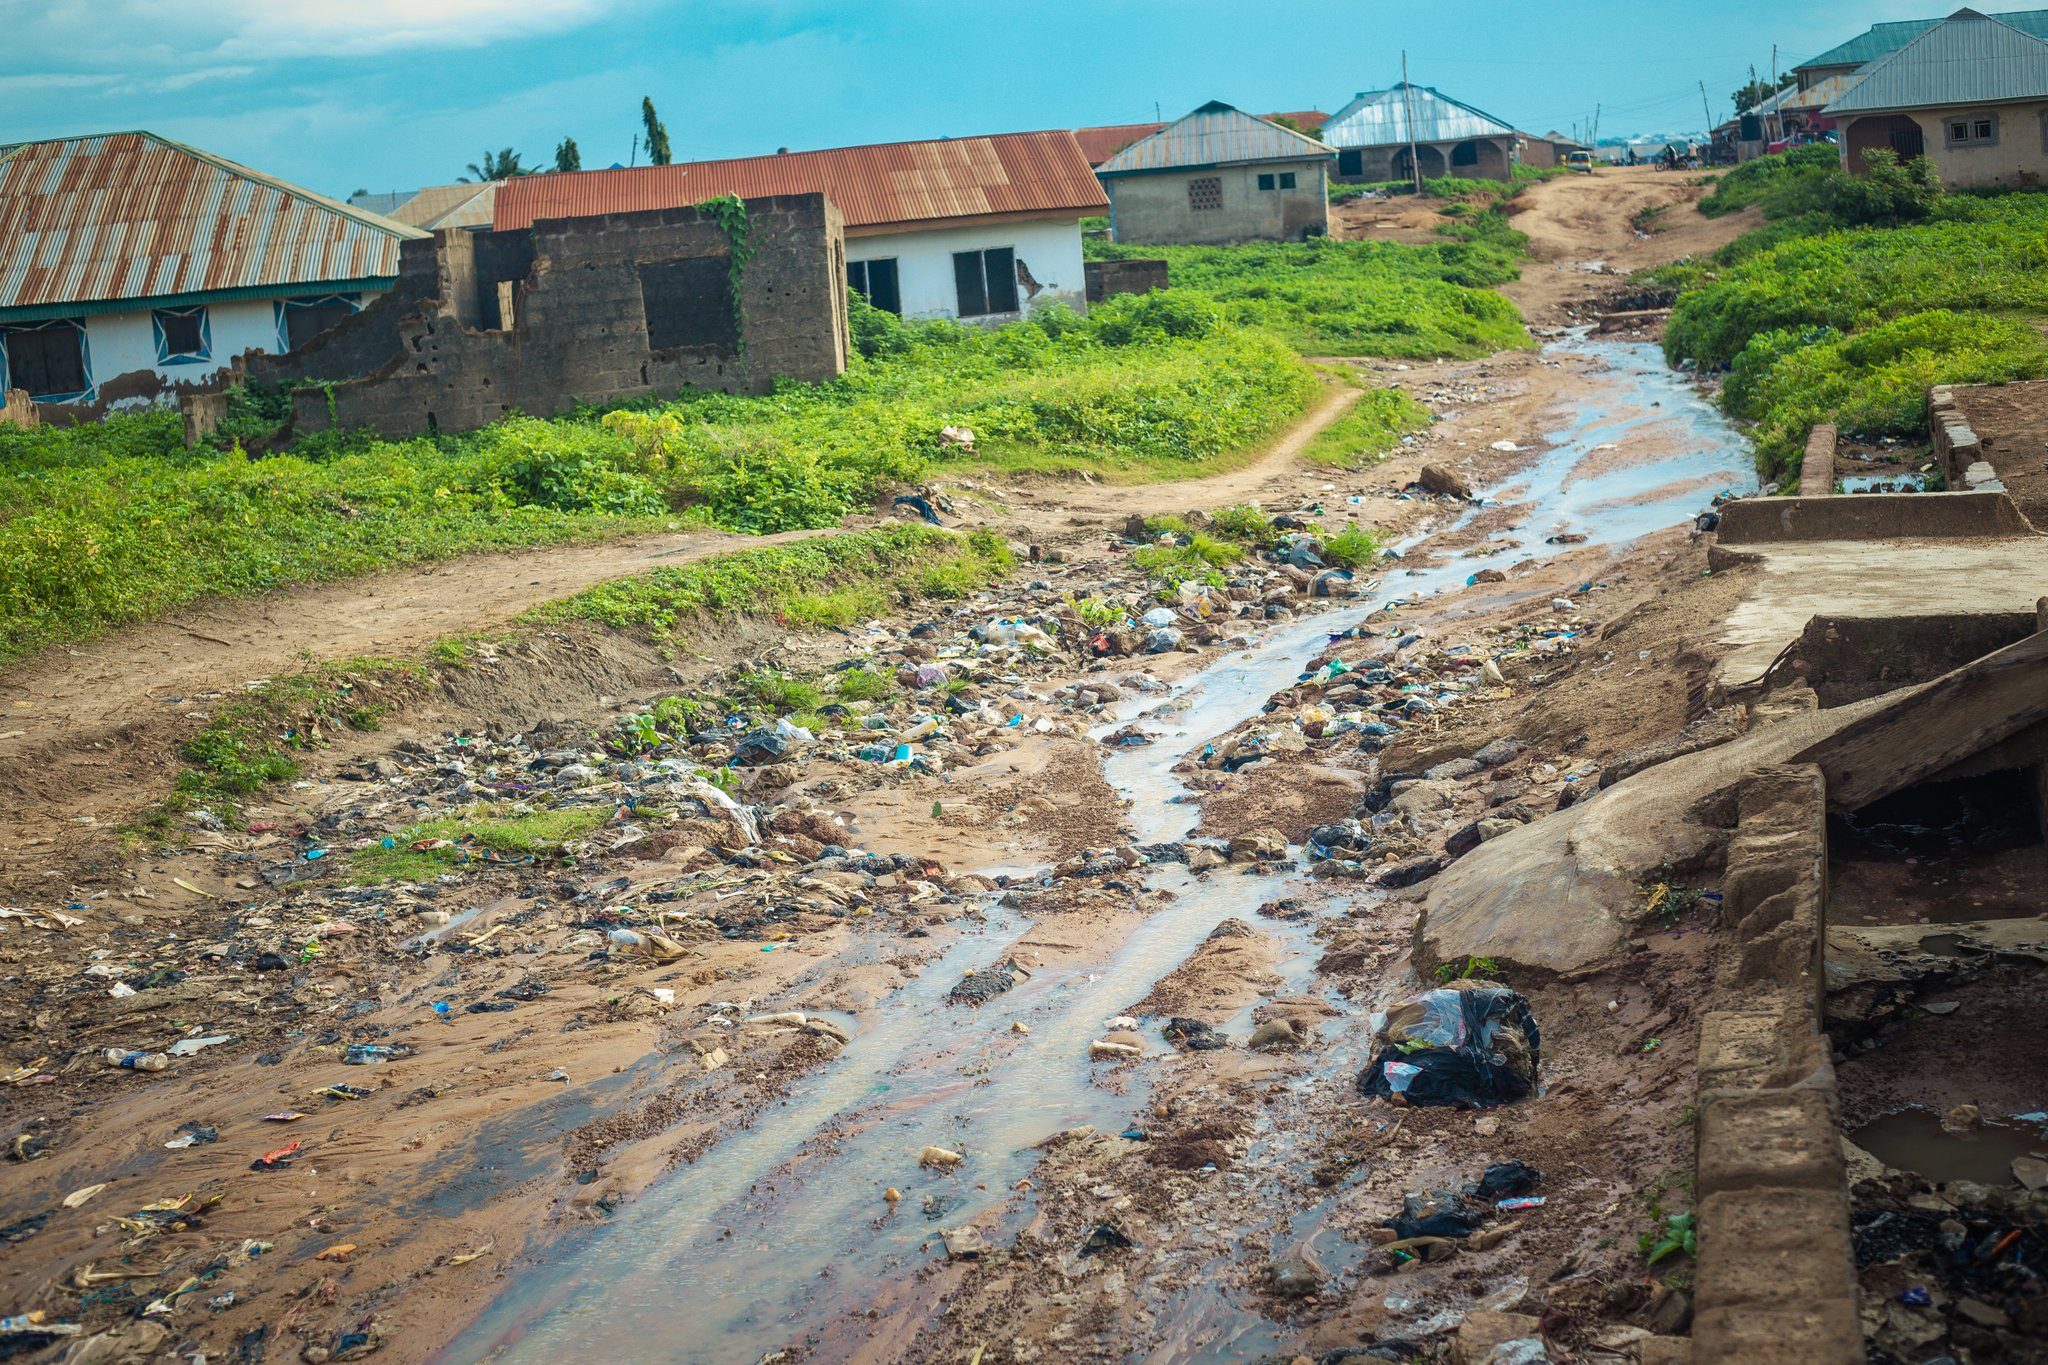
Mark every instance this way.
x=395 y=94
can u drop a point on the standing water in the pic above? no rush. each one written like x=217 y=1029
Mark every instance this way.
x=778 y=1233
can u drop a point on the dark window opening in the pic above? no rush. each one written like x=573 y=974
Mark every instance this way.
x=1465 y=154
x=986 y=280
x=1351 y=163
x=1287 y=180
x=48 y=361
x=303 y=322
x=1265 y=182
x=1983 y=128
x=1205 y=192
x=875 y=281
x=689 y=303
x=181 y=335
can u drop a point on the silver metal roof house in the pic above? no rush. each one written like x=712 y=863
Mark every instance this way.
x=1215 y=176
x=1217 y=134
x=1971 y=93
x=1373 y=132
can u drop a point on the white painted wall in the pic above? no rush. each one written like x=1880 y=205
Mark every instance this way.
x=123 y=343
x=924 y=264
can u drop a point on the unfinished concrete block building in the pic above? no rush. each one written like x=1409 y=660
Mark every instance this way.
x=480 y=324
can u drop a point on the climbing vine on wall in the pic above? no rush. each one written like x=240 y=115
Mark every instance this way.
x=730 y=212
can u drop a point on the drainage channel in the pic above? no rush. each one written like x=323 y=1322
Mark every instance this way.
x=777 y=1233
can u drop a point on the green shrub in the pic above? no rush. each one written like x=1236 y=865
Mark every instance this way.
x=1887 y=193
x=1351 y=548
x=1371 y=427
x=1785 y=185
x=862 y=684
x=1247 y=523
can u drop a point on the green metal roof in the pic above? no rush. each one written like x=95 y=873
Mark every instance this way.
x=1963 y=60
x=1883 y=39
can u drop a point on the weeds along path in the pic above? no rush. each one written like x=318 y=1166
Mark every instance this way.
x=89 y=732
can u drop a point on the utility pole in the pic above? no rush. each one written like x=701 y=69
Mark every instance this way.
x=1774 y=92
x=1704 y=109
x=1408 y=100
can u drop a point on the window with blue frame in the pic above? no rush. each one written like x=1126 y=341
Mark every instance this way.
x=183 y=336
x=49 y=359
x=300 y=320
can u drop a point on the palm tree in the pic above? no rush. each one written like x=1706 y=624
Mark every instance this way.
x=567 y=157
x=496 y=166
x=657 y=133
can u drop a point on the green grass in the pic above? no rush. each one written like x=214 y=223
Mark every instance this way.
x=256 y=739
x=1369 y=429
x=901 y=563
x=1365 y=298
x=862 y=684
x=481 y=829
x=1815 y=322
x=106 y=524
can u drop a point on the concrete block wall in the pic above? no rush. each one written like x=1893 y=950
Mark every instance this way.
x=1775 y=1283
x=1956 y=446
x=1123 y=277
x=580 y=327
x=1817 y=466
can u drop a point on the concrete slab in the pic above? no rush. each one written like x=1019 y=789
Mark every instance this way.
x=1796 y=581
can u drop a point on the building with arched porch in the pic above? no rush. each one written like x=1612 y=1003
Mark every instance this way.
x=1971 y=93
x=1374 y=134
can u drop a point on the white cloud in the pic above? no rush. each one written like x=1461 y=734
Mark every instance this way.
x=348 y=28
x=164 y=85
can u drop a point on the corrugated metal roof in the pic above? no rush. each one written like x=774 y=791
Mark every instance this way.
x=1214 y=135
x=450 y=206
x=137 y=216
x=1824 y=92
x=1379 y=118
x=1882 y=39
x=900 y=182
x=1965 y=59
x=1100 y=144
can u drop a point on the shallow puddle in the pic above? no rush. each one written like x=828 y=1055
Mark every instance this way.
x=779 y=1233
x=1914 y=1140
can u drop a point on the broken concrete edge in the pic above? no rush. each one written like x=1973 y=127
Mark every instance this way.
x=1775 y=1281
x=1871 y=516
x=1817 y=465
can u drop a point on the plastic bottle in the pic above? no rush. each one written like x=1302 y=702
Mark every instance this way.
x=627 y=938
x=136 y=1061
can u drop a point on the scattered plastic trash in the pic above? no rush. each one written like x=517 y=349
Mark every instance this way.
x=1472 y=1044
x=281 y=1157
x=136 y=1061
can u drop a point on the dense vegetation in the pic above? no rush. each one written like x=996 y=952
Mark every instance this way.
x=111 y=523
x=1858 y=294
x=1328 y=297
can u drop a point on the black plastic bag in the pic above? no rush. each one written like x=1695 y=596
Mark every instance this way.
x=1472 y=1043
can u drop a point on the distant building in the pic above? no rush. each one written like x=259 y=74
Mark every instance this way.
x=1971 y=92
x=132 y=266
x=1547 y=151
x=1218 y=175
x=1881 y=40
x=437 y=206
x=1372 y=135
x=979 y=228
x=1104 y=142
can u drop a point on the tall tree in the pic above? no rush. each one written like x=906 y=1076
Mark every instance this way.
x=657 y=133
x=567 y=158
x=501 y=165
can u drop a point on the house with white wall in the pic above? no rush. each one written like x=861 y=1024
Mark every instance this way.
x=1217 y=176
x=984 y=229
x=132 y=266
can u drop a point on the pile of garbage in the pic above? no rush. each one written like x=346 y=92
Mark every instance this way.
x=1471 y=1044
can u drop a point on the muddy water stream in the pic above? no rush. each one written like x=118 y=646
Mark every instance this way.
x=779 y=1233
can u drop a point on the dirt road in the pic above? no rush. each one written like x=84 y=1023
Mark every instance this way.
x=1585 y=232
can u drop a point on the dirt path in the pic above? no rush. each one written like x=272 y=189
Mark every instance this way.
x=1582 y=229
x=1583 y=233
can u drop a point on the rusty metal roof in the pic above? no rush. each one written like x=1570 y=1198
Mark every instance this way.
x=898 y=183
x=1214 y=135
x=1100 y=144
x=90 y=224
